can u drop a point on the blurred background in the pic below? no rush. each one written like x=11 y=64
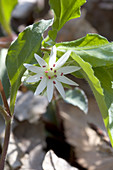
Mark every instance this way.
x=85 y=135
x=96 y=17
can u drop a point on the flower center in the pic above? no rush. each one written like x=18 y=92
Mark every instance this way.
x=51 y=72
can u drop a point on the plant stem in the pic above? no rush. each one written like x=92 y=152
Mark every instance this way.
x=45 y=49
x=4 y=99
x=5 y=145
x=58 y=116
x=7 y=128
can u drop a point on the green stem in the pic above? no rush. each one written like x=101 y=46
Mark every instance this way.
x=58 y=116
x=7 y=117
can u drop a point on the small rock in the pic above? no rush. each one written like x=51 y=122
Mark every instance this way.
x=75 y=28
x=30 y=107
x=52 y=162
x=23 y=9
x=14 y=153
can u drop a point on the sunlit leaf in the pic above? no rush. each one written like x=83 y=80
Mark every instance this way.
x=22 y=51
x=64 y=10
x=93 y=48
x=94 y=54
x=3 y=73
x=101 y=87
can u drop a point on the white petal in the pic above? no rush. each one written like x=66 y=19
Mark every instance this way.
x=66 y=80
x=60 y=88
x=52 y=58
x=34 y=69
x=27 y=65
x=63 y=59
x=68 y=69
x=50 y=88
x=42 y=85
x=40 y=60
x=34 y=78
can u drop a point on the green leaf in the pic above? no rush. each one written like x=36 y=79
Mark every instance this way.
x=77 y=97
x=48 y=42
x=52 y=120
x=92 y=48
x=64 y=10
x=51 y=113
x=22 y=51
x=6 y=7
x=101 y=87
x=106 y=77
x=3 y=73
x=94 y=54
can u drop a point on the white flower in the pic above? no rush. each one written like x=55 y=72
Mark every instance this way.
x=52 y=74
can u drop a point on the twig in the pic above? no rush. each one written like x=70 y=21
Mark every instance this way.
x=7 y=117
x=45 y=49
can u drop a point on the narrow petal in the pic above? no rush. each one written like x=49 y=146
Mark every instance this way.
x=33 y=79
x=68 y=69
x=27 y=65
x=60 y=88
x=34 y=69
x=63 y=59
x=52 y=58
x=66 y=80
x=40 y=60
x=42 y=85
x=50 y=88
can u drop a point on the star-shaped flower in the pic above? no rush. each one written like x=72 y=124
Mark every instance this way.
x=51 y=74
